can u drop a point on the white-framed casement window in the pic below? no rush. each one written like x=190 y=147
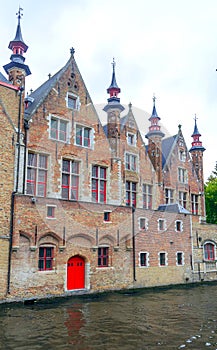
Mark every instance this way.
x=51 y=211
x=131 y=139
x=183 y=199
x=182 y=175
x=84 y=136
x=143 y=259
x=169 y=196
x=130 y=162
x=178 y=226
x=194 y=204
x=59 y=129
x=147 y=196
x=131 y=190
x=70 y=179
x=72 y=101
x=143 y=224
x=163 y=259
x=182 y=156
x=162 y=225
x=36 y=178
x=99 y=184
x=180 y=258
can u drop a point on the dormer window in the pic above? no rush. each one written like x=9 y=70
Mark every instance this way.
x=131 y=139
x=72 y=101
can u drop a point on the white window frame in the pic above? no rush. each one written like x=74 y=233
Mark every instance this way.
x=181 y=225
x=130 y=134
x=51 y=206
x=133 y=166
x=182 y=201
x=183 y=258
x=59 y=120
x=147 y=259
x=169 y=195
x=182 y=175
x=166 y=258
x=74 y=97
x=83 y=127
x=146 y=223
x=182 y=155
x=164 y=225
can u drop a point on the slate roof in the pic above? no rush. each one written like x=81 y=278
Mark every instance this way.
x=3 y=79
x=41 y=93
x=167 y=145
x=173 y=208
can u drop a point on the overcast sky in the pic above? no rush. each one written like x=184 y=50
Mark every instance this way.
x=166 y=47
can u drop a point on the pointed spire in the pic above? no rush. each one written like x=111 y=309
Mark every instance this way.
x=18 y=47
x=196 y=144
x=154 y=111
x=154 y=128
x=113 y=89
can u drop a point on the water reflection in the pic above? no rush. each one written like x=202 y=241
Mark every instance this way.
x=146 y=320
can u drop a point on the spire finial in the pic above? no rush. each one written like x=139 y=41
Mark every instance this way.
x=19 y=14
x=113 y=64
x=154 y=98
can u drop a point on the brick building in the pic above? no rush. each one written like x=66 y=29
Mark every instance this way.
x=86 y=206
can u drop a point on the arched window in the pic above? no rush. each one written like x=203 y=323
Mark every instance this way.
x=209 y=251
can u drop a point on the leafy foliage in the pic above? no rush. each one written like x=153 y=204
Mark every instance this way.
x=211 y=197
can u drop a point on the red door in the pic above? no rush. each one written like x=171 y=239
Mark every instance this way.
x=75 y=273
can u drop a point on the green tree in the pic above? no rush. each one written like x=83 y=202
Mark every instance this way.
x=211 y=197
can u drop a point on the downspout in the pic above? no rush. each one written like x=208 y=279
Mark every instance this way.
x=14 y=192
x=26 y=127
x=133 y=243
x=18 y=138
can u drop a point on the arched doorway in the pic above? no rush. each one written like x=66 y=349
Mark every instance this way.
x=75 y=273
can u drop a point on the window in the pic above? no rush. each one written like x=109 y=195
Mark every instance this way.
x=183 y=199
x=209 y=251
x=182 y=175
x=162 y=259
x=178 y=226
x=194 y=204
x=103 y=256
x=98 y=184
x=131 y=139
x=70 y=179
x=83 y=136
x=144 y=259
x=147 y=196
x=107 y=216
x=73 y=101
x=58 y=129
x=36 y=181
x=130 y=162
x=169 y=196
x=143 y=224
x=179 y=258
x=182 y=156
x=50 y=211
x=130 y=193
x=45 y=261
x=161 y=225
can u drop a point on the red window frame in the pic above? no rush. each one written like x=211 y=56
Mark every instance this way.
x=107 y=216
x=99 y=184
x=83 y=135
x=70 y=179
x=36 y=182
x=131 y=193
x=45 y=261
x=103 y=256
x=209 y=251
x=58 y=129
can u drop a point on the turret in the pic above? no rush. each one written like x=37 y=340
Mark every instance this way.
x=154 y=137
x=16 y=69
x=113 y=109
x=196 y=151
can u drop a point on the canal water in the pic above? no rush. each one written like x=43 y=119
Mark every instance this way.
x=178 y=318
